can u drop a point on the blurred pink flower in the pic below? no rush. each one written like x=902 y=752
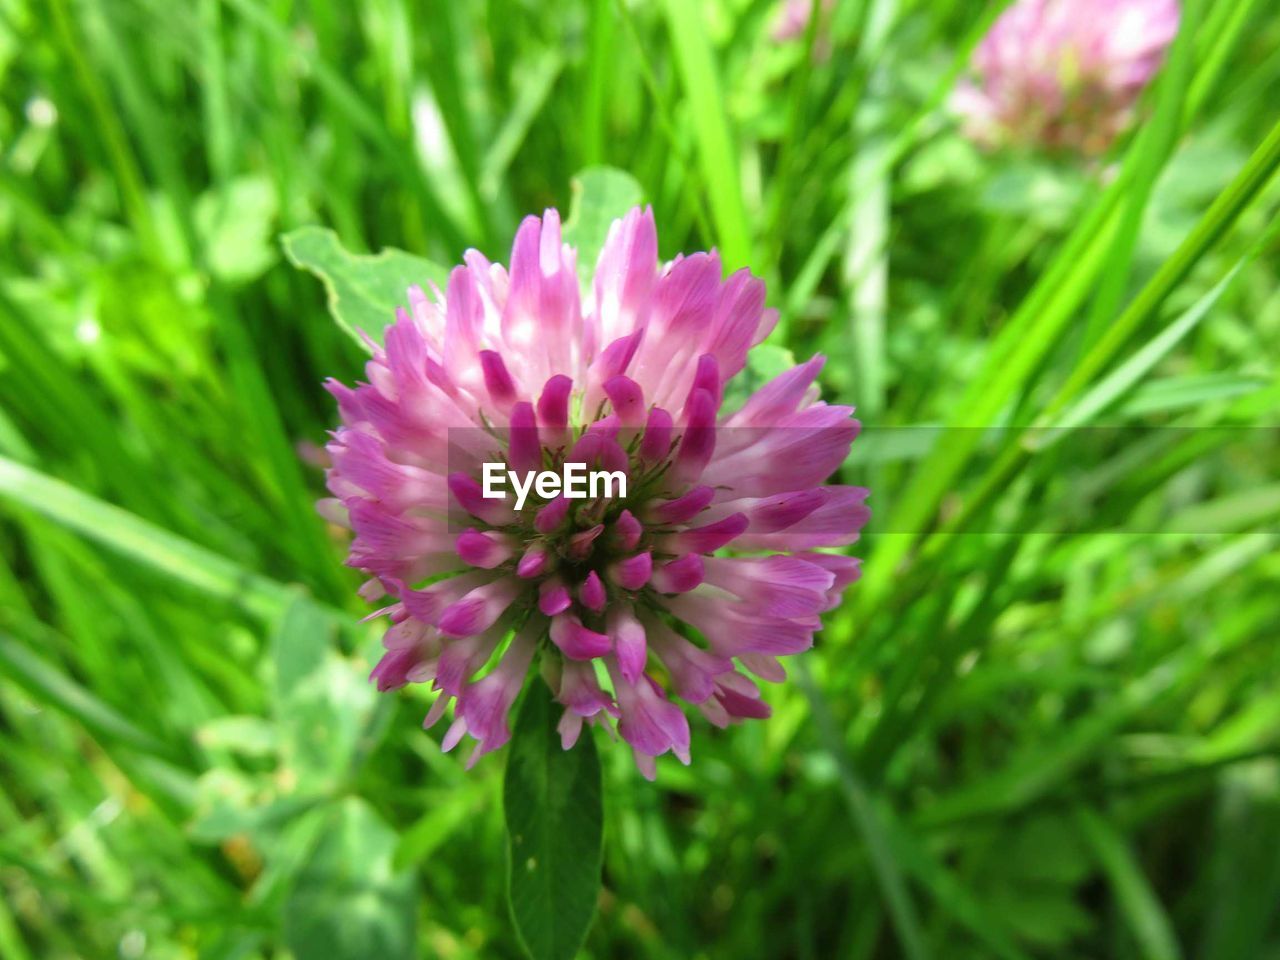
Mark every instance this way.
x=793 y=19
x=607 y=593
x=1064 y=74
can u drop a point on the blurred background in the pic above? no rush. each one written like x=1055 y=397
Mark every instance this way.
x=1046 y=723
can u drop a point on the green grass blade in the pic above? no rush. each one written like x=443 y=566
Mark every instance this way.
x=717 y=153
x=133 y=537
x=862 y=808
x=1139 y=904
x=49 y=685
x=1007 y=368
x=399 y=155
x=1221 y=215
x=535 y=88
x=1117 y=384
x=1155 y=144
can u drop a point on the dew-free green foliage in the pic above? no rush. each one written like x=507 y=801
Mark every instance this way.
x=551 y=798
x=349 y=902
x=600 y=195
x=363 y=290
x=1045 y=724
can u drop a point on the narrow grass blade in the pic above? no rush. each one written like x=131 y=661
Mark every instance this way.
x=1117 y=384
x=1154 y=146
x=49 y=685
x=868 y=820
x=717 y=154
x=1138 y=902
x=1008 y=365
x=535 y=88
x=361 y=117
x=133 y=537
x=1209 y=229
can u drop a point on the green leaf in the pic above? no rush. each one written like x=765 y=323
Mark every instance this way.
x=874 y=822
x=1256 y=506
x=298 y=646
x=1226 y=208
x=1150 y=153
x=552 y=802
x=244 y=734
x=442 y=820
x=323 y=722
x=536 y=79
x=601 y=195
x=350 y=903
x=1034 y=329
x=234 y=223
x=228 y=803
x=1033 y=191
x=364 y=289
x=321 y=704
x=1045 y=918
x=767 y=361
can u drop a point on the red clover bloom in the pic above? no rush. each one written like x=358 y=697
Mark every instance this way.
x=622 y=599
x=1064 y=74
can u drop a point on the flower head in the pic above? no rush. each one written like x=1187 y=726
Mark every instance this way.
x=1064 y=73
x=621 y=598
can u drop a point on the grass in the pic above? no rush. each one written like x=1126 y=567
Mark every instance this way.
x=1045 y=723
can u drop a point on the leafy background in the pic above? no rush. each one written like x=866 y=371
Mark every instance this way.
x=1044 y=725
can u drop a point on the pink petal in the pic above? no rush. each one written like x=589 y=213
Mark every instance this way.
x=534 y=563
x=553 y=597
x=592 y=593
x=553 y=408
x=497 y=379
x=706 y=539
x=681 y=509
x=658 y=429
x=483 y=549
x=524 y=450
x=479 y=609
x=633 y=572
x=470 y=496
x=627 y=399
x=680 y=575
x=698 y=442
x=627 y=530
x=577 y=642
x=552 y=515
x=629 y=643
